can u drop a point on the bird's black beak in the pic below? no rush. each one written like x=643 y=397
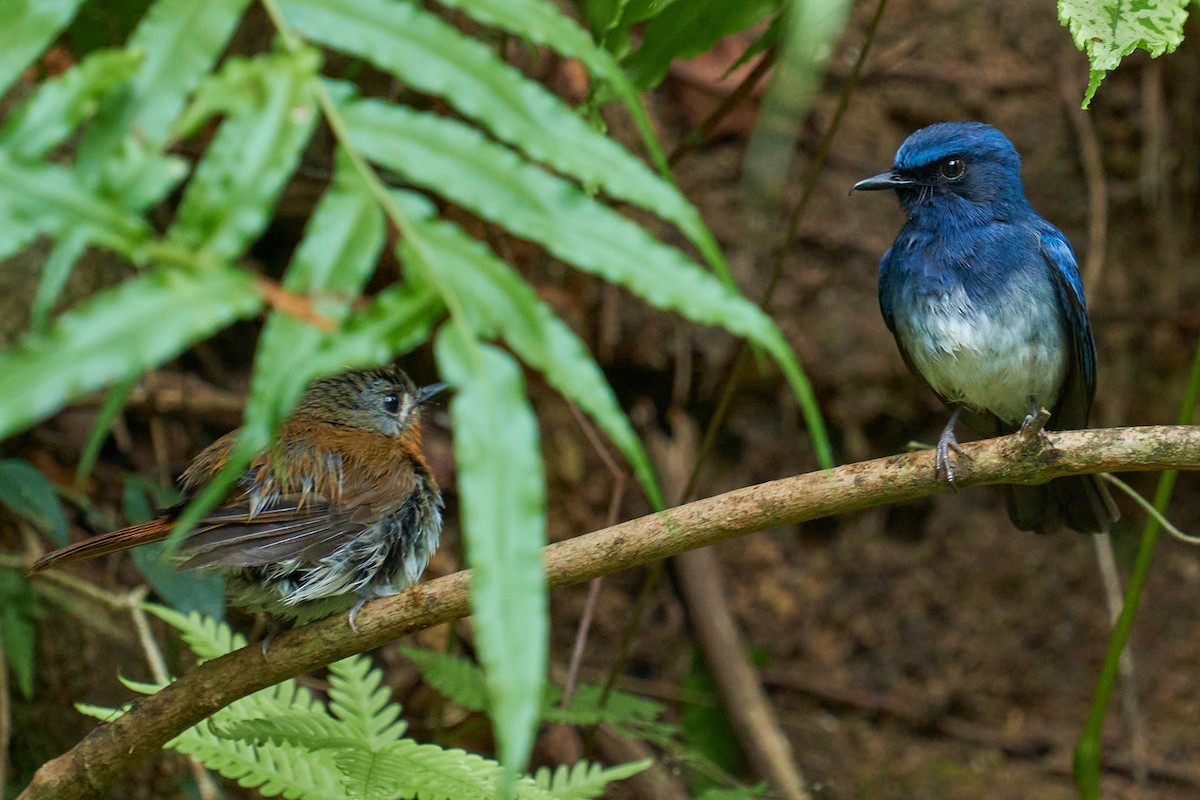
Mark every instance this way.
x=885 y=180
x=432 y=390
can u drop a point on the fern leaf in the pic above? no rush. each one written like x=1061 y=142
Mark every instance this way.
x=205 y=636
x=63 y=103
x=291 y=772
x=362 y=704
x=46 y=198
x=500 y=302
x=27 y=30
x=459 y=680
x=341 y=244
x=233 y=190
x=315 y=731
x=584 y=781
x=433 y=57
x=503 y=508
x=104 y=339
x=394 y=322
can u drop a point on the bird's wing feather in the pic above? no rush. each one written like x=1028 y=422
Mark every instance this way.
x=1079 y=386
x=885 y=304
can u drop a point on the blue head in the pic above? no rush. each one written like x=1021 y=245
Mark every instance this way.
x=958 y=168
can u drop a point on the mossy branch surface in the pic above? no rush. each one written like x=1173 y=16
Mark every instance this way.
x=112 y=750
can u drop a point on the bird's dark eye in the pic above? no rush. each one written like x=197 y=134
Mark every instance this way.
x=391 y=403
x=952 y=168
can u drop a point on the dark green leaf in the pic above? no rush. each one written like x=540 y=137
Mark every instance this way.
x=114 y=401
x=186 y=590
x=29 y=26
x=504 y=527
x=687 y=28
x=28 y=494
x=610 y=20
x=124 y=330
x=55 y=273
x=18 y=611
x=229 y=199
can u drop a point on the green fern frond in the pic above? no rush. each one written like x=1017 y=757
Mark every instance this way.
x=204 y=636
x=274 y=770
x=584 y=781
x=359 y=701
x=316 y=731
x=459 y=680
x=282 y=741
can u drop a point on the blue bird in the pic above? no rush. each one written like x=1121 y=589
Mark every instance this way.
x=985 y=302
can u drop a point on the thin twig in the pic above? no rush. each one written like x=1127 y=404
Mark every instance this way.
x=1093 y=173
x=620 y=481
x=1149 y=508
x=112 y=750
x=205 y=785
x=5 y=712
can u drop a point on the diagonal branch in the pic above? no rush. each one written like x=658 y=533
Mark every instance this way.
x=111 y=751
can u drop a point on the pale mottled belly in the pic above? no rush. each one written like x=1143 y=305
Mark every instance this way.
x=994 y=360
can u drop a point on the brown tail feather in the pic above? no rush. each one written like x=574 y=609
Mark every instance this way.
x=124 y=539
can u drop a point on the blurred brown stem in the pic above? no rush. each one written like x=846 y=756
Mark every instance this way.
x=112 y=750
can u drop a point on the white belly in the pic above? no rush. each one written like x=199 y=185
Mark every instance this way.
x=993 y=361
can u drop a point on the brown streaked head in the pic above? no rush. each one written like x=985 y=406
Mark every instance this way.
x=383 y=400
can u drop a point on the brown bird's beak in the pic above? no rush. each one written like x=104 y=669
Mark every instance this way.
x=432 y=390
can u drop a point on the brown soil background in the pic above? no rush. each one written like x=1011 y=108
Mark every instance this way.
x=920 y=651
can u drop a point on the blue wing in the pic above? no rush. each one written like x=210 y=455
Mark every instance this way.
x=885 y=296
x=1079 y=386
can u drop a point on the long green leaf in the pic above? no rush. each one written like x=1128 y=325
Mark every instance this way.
x=495 y=183
x=61 y=104
x=51 y=200
x=502 y=303
x=137 y=325
x=433 y=57
x=812 y=29
x=179 y=40
x=229 y=199
x=55 y=274
x=29 y=26
x=541 y=22
x=336 y=256
x=504 y=526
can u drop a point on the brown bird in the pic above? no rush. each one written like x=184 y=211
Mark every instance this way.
x=343 y=508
